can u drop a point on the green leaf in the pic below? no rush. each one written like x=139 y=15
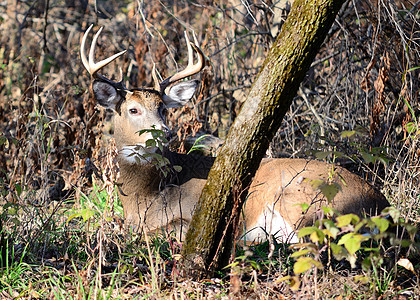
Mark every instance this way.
x=375 y=249
x=86 y=214
x=310 y=246
x=4 y=141
x=411 y=127
x=304 y=206
x=359 y=225
x=315 y=234
x=328 y=211
x=413 y=69
x=347 y=134
x=316 y=183
x=342 y=180
x=161 y=160
x=75 y=215
x=140 y=132
x=322 y=155
x=381 y=223
x=411 y=229
x=12 y=211
x=150 y=143
x=303 y=264
x=339 y=252
x=234 y=264
x=344 y=238
x=336 y=248
x=338 y=154
x=18 y=189
x=362 y=279
x=352 y=245
x=197 y=145
x=254 y=265
x=352 y=242
x=330 y=190
x=300 y=253
x=368 y=158
x=306 y=231
x=345 y=220
x=331 y=229
x=177 y=168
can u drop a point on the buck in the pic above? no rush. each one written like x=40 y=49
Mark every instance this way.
x=154 y=202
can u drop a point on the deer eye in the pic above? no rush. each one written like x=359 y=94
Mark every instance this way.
x=134 y=111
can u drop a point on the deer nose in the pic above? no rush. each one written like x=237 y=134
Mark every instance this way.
x=167 y=132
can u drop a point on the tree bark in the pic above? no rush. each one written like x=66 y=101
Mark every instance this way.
x=210 y=237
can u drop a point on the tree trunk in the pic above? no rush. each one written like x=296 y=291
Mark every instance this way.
x=210 y=237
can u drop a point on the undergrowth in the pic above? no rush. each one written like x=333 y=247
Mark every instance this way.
x=62 y=233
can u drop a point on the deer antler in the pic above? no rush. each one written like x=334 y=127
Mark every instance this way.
x=191 y=68
x=90 y=64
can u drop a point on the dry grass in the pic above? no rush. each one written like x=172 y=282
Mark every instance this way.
x=53 y=138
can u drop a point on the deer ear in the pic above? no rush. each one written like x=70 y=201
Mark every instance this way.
x=105 y=94
x=180 y=93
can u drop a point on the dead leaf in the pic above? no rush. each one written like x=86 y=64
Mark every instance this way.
x=405 y=263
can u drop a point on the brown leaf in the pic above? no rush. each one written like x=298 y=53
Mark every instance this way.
x=405 y=263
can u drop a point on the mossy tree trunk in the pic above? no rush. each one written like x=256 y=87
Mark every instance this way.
x=210 y=236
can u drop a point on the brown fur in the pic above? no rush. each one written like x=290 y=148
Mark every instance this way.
x=287 y=183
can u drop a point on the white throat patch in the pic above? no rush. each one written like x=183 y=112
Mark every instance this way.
x=136 y=154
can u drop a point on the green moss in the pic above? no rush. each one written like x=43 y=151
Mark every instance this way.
x=248 y=139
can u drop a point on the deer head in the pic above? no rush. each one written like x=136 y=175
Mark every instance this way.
x=140 y=109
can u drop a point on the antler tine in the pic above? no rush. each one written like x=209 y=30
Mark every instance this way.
x=191 y=68
x=190 y=51
x=155 y=78
x=90 y=64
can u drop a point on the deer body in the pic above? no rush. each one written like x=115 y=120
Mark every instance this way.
x=153 y=201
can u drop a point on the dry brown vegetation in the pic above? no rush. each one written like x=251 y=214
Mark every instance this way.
x=53 y=138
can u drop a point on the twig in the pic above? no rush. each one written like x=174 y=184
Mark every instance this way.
x=321 y=123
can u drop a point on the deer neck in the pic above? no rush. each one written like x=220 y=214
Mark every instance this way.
x=140 y=178
x=153 y=200
x=144 y=176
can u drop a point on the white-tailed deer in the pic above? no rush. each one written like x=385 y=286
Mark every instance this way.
x=153 y=201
